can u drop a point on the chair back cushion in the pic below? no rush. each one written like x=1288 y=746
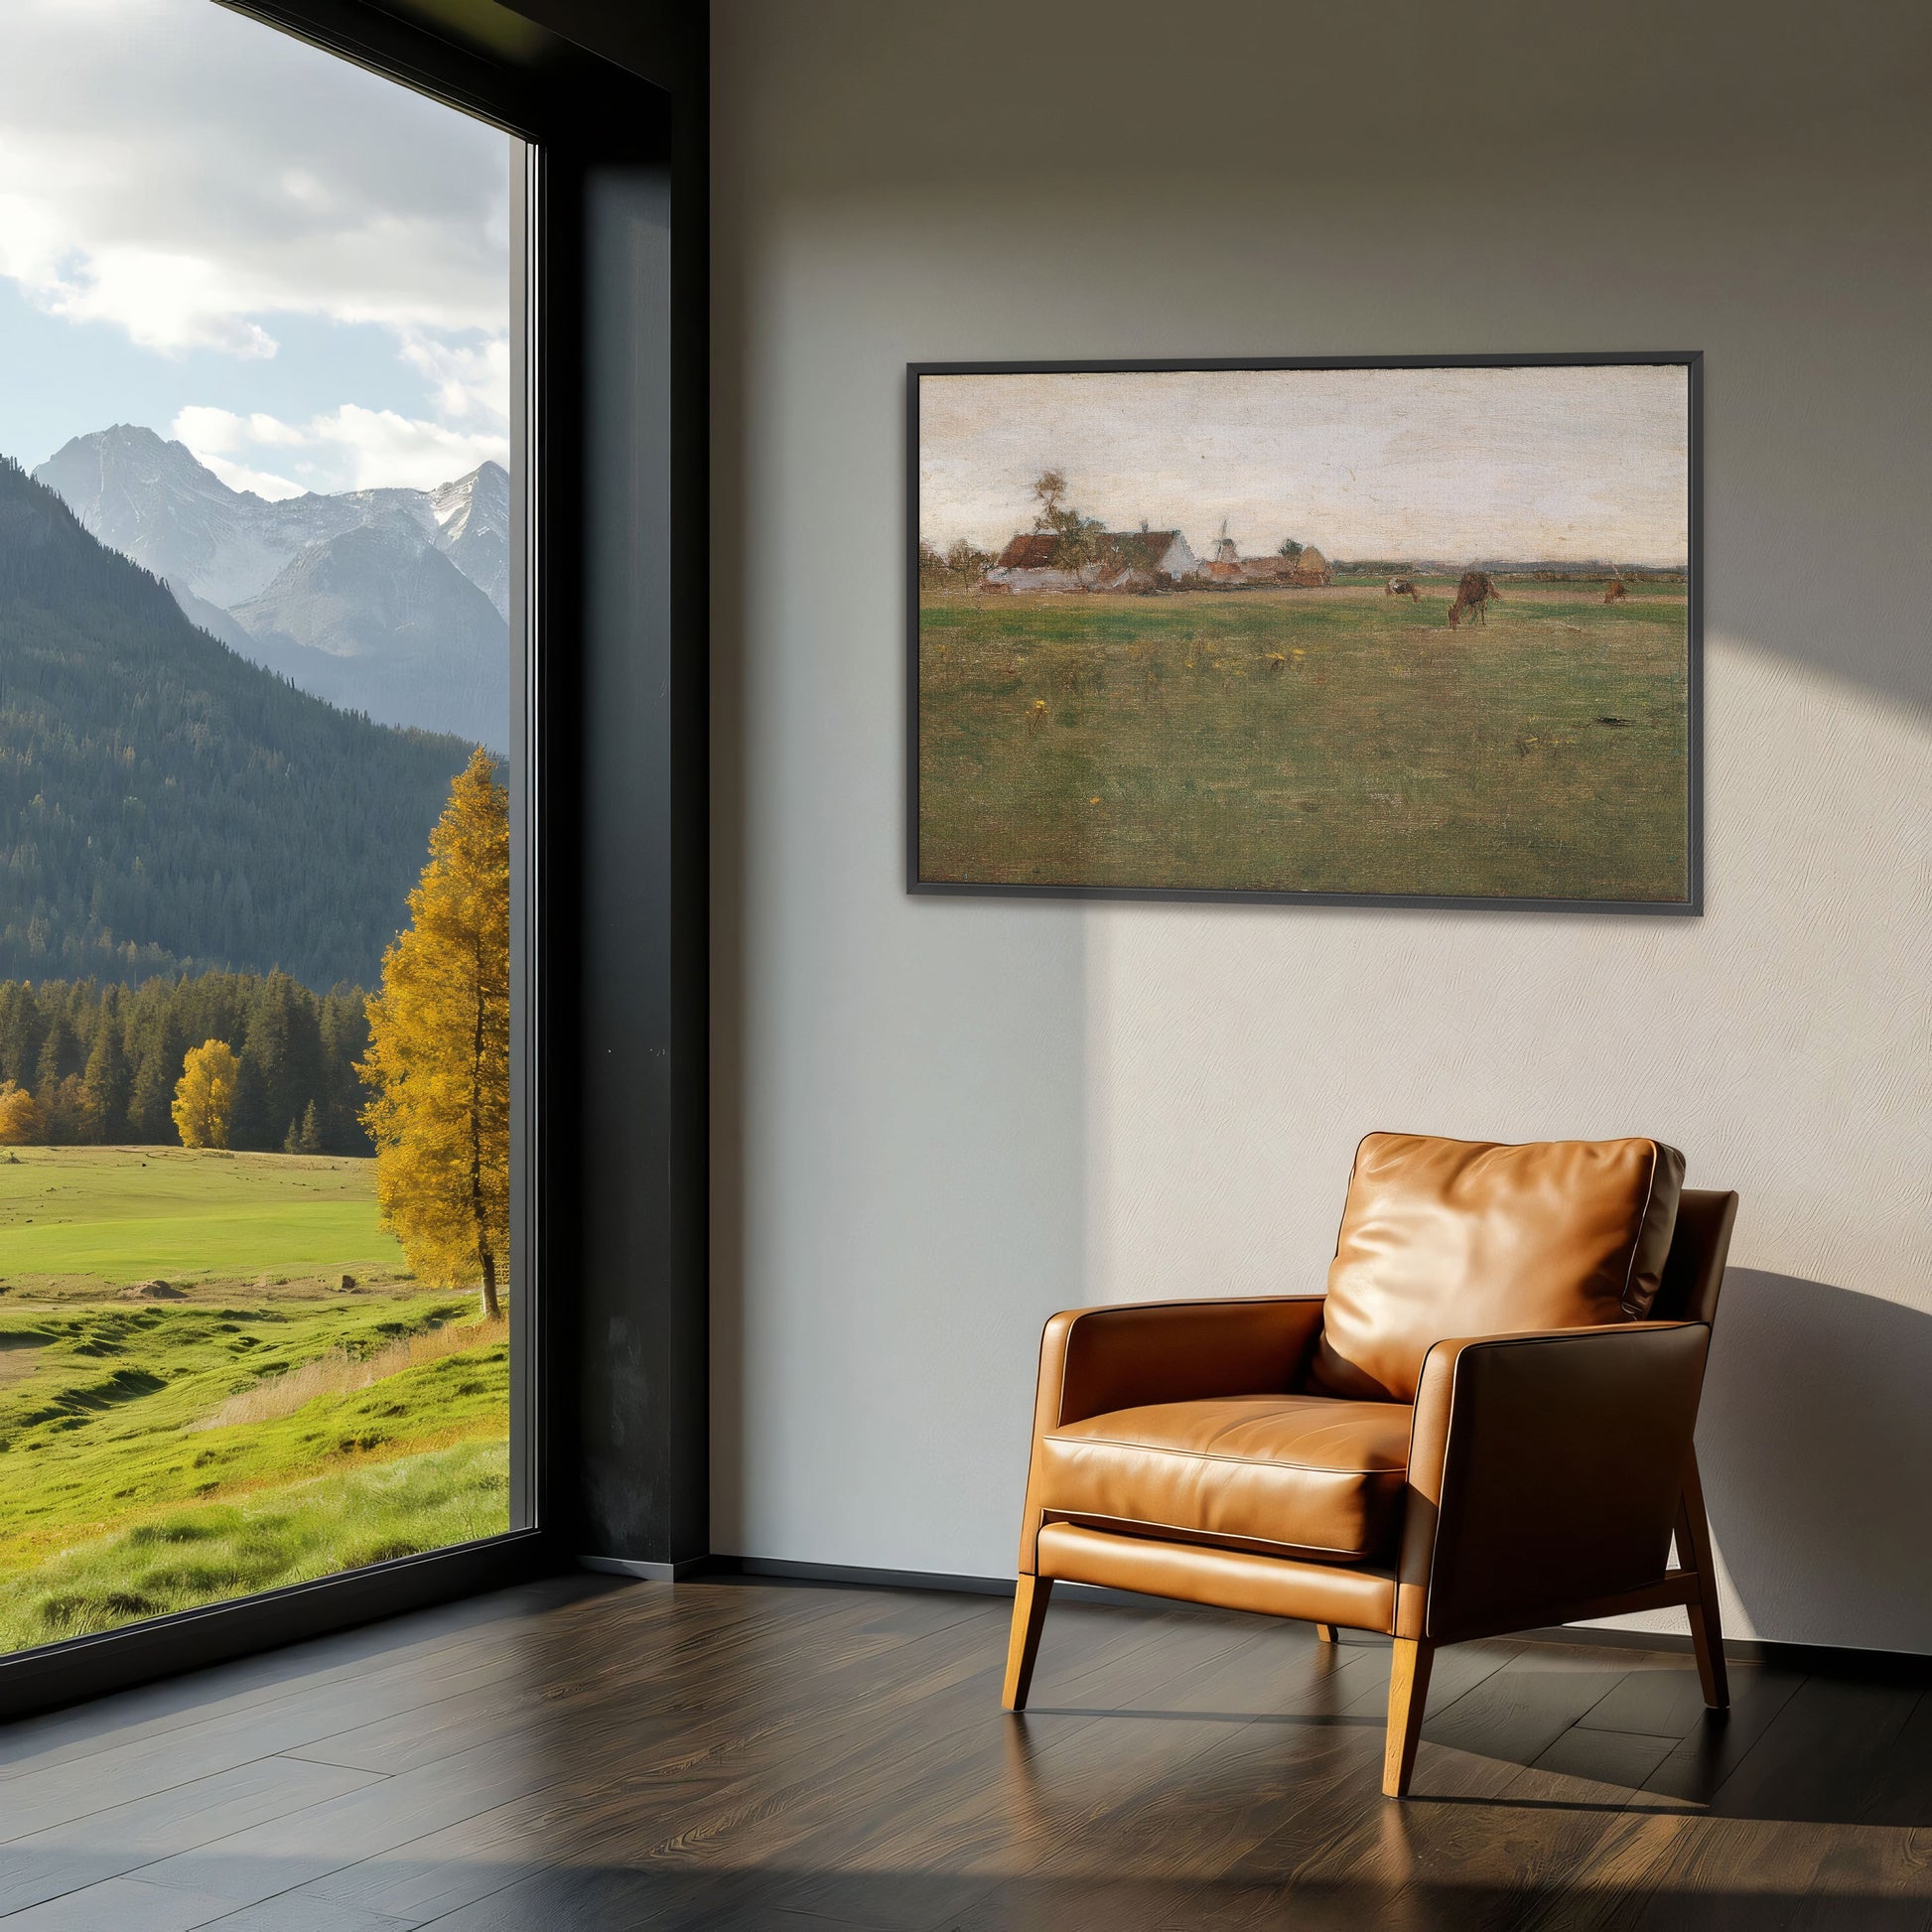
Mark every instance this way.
x=1454 y=1238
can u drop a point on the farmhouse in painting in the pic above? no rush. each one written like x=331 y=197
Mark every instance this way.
x=1128 y=560
x=1308 y=569
x=1153 y=553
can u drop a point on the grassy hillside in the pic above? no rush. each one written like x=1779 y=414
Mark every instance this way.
x=83 y=1217
x=266 y=1540
x=1321 y=740
x=266 y=1427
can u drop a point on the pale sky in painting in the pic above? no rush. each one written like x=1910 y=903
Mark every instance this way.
x=1570 y=464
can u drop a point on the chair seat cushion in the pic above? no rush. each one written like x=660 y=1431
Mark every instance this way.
x=1295 y=1473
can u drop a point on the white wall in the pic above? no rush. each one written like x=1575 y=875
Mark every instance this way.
x=939 y=1120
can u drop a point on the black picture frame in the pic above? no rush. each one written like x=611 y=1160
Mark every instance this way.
x=1690 y=906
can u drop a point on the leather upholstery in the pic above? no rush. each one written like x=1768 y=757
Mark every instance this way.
x=1296 y=1474
x=1455 y=1238
x=1094 y=1360
x=1544 y=1471
x=1694 y=1271
x=1357 y=1596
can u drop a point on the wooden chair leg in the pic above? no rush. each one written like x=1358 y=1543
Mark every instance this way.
x=1694 y=1552
x=1022 y=1644
x=1324 y=1633
x=1408 y=1694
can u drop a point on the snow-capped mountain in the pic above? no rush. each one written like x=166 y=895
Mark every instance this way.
x=375 y=619
x=230 y=559
x=473 y=520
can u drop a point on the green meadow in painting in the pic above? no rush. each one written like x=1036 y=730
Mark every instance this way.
x=1468 y=676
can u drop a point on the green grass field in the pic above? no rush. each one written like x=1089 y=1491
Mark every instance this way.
x=113 y=1215
x=268 y=1426
x=1334 y=741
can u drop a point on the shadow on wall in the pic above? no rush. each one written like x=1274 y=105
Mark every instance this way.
x=1815 y=1440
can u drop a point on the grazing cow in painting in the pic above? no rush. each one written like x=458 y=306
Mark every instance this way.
x=1401 y=587
x=1616 y=592
x=1472 y=594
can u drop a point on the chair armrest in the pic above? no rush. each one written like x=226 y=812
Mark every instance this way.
x=1093 y=1361
x=1544 y=1471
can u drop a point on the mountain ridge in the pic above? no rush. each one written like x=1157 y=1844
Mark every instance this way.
x=375 y=621
x=220 y=551
x=166 y=805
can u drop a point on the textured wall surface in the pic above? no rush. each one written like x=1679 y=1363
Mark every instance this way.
x=938 y=1121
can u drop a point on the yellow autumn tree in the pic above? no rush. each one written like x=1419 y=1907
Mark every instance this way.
x=205 y=1094
x=439 y=1059
x=19 y=1116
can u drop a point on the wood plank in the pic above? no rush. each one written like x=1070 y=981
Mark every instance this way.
x=488 y=1853
x=771 y=1836
x=33 y=1744
x=294 y=1850
x=1794 y=1836
x=1605 y=1766
x=786 y=1758
x=294 y=1913
x=1483 y=1832
x=124 y=1837
x=1816 y=1760
x=1661 y=1697
x=122 y=1905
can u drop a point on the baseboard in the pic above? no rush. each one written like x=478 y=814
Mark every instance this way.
x=846 y=1575
x=142 y=1653
x=1819 y=1660
x=650 y=1573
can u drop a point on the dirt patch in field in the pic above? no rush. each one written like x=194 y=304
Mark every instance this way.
x=18 y=1356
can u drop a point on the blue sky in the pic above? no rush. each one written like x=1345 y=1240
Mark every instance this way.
x=299 y=269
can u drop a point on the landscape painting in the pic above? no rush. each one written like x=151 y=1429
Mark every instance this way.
x=1416 y=631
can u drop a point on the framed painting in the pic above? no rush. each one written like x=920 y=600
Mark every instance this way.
x=1409 y=631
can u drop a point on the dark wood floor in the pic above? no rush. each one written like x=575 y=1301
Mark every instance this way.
x=729 y=1755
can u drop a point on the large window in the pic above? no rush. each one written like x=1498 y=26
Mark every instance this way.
x=260 y=638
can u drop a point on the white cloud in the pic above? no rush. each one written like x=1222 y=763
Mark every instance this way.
x=198 y=181
x=387 y=448
x=467 y=380
x=223 y=174
x=347 y=448
x=263 y=482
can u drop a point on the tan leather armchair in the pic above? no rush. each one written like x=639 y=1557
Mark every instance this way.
x=1485 y=1425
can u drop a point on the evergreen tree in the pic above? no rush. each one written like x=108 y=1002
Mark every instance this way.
x=282 y=1053
x=61 y=1051
x=438 y=1063
x=344 y=1024
x=106 y=1086
x=309 y=1141
x=150 y=1116
x=300 y=1050
x=63 y=1111
x=249 y=1118
x=166 y=805
x=22 y=1029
